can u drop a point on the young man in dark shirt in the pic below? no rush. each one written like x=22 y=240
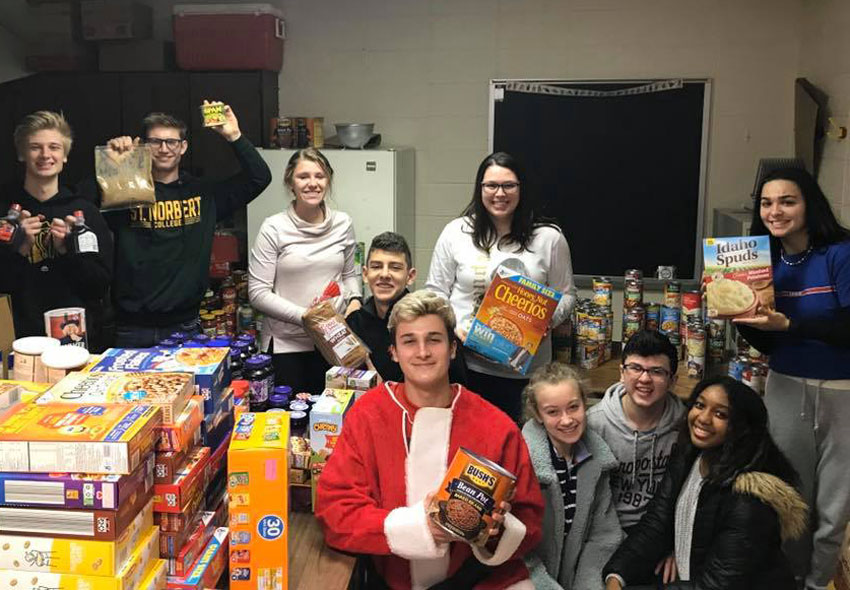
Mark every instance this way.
x=39 y=270
x=162 y=252
x=388 y=272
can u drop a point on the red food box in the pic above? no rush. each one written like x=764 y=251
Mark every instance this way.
x=174 y=497
x=228 y=37
x=173 y=522
x=184 y=433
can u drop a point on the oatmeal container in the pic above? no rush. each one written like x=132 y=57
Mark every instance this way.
x=474 y=487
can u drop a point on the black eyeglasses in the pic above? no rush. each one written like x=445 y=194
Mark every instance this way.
x=491 y=188
x=637 y=370
x=157 y=142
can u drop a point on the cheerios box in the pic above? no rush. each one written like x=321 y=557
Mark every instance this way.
x=738 y=276
x=512 y=319
x=326 y=418
x=210 y=367
x=257 y=480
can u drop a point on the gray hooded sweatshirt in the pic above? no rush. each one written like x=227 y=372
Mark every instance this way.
x=642 y=456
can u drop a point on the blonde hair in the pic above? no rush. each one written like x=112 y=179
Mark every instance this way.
x=39 y=121
x=551 y=374
x=309 y=154
x=421 y=303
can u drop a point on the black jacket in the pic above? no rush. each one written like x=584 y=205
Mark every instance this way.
x=738 y=530
x=374 y=332
x=162 y=253
x=47 y=280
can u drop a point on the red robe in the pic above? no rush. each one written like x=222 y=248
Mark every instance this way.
x=370 y=494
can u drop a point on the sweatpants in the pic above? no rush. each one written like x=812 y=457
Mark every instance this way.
x=810 y=422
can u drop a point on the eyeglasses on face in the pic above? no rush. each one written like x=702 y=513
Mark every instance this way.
x=491 y=188
x=636 y=370
x=157 y=142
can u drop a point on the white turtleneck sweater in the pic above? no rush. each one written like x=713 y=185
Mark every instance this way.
x=290 y=264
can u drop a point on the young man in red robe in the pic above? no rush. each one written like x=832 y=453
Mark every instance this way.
x=395 y=447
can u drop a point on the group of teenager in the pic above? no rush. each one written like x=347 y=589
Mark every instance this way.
x=725 y=490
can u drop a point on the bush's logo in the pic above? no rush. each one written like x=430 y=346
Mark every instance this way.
x=479 y=477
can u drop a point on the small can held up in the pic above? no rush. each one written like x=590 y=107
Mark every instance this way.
x=213 y=114
x=472 y=491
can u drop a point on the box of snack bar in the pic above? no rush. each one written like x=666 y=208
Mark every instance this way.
x=170 y=392
x=257 y=480
x=512 y=319
x=738 y=277
x=210 y=367
x=86 y=438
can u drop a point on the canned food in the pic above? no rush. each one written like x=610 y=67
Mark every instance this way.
x=632 y=293
x=473 y=488
x=213 y=114
x=696 y=353
x=602 y=289
x=587 y=353
x=737 y=366
x=716 y=339
x=672 y=294
x=669 y=321
x=245 y=321
x=653 y=310
x=755 y=375
x=631 y=323
x=208 y=324
x=634 y=273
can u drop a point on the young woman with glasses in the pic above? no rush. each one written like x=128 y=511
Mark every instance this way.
x=500 y=226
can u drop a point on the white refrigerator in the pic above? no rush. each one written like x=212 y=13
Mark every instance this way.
x=375 y=187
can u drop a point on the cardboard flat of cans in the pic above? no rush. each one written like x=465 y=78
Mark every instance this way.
x=83 y=438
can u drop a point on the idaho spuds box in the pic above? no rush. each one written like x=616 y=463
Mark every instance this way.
x=257 y=471
x=738 y=276
x=85 y=438
x=512 y=319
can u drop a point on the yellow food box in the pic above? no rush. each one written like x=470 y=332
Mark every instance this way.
x=257 y=480
x=156 y=576
x=30 y=389
x=129 y=577
x=60 y=555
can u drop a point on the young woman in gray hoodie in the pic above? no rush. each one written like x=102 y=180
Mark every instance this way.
x=580 y=526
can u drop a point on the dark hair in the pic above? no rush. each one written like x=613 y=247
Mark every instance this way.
x=163 y=120
x=524 y=219
x=821 y=223
x=652 y=343
x=389 y=241
x=748 y=445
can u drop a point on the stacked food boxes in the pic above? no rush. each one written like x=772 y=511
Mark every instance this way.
x=259 y=504
x=326 y=421
x=189 y=470
x=76 y=507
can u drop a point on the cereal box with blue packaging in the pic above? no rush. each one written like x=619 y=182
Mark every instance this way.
x=512 y=319
x=210 y=366
x=738 y=277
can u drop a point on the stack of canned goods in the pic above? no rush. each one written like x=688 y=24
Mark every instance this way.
x=670 y=312
x=634 y=314
x=593 y=331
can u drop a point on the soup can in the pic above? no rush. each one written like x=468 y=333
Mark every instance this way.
x=632 y=293
x=634 y=273
x=474 y=487
x=651 y=322
x=737 y=366
x=602 y=289
x=672 y=294
x=632 y=323
x=696 y=352
x=587 y=353
x=716 y=339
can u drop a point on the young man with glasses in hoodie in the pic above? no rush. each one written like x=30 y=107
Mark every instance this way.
x=639 y=419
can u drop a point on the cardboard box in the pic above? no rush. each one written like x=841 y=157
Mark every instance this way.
x=738 y=277
x=74 y=490
x=30 y=390
x=82 y=438
x=186 y=430
x=175 y=496
x=10 y=394
x=155 y=577
x=62 y=555
x=209 y=567
x=128 y=578
x=326 y=418
x=258 y=474
x=210 y=366
x=170 y=392
x=186 y=556
x=512 y=319
x=177 y=522
x=345 y=378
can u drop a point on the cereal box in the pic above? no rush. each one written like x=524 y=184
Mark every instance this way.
x=210 y=366
x=326 y=418
x=209 y=567
x=738 y=276
x=62 y=555
x=74 y=490
x=512 y=319
x=175 y=496
x=128 y=577
x=155 y=577
x=258 y=474
x=10 y=394
x=30 y=390
x=185 y=432
x=168 y=391
x=86 y=438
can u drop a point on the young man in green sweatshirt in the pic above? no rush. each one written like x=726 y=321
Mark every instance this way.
x=162 y=252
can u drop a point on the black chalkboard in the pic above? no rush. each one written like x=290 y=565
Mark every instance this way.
x=620 y=174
